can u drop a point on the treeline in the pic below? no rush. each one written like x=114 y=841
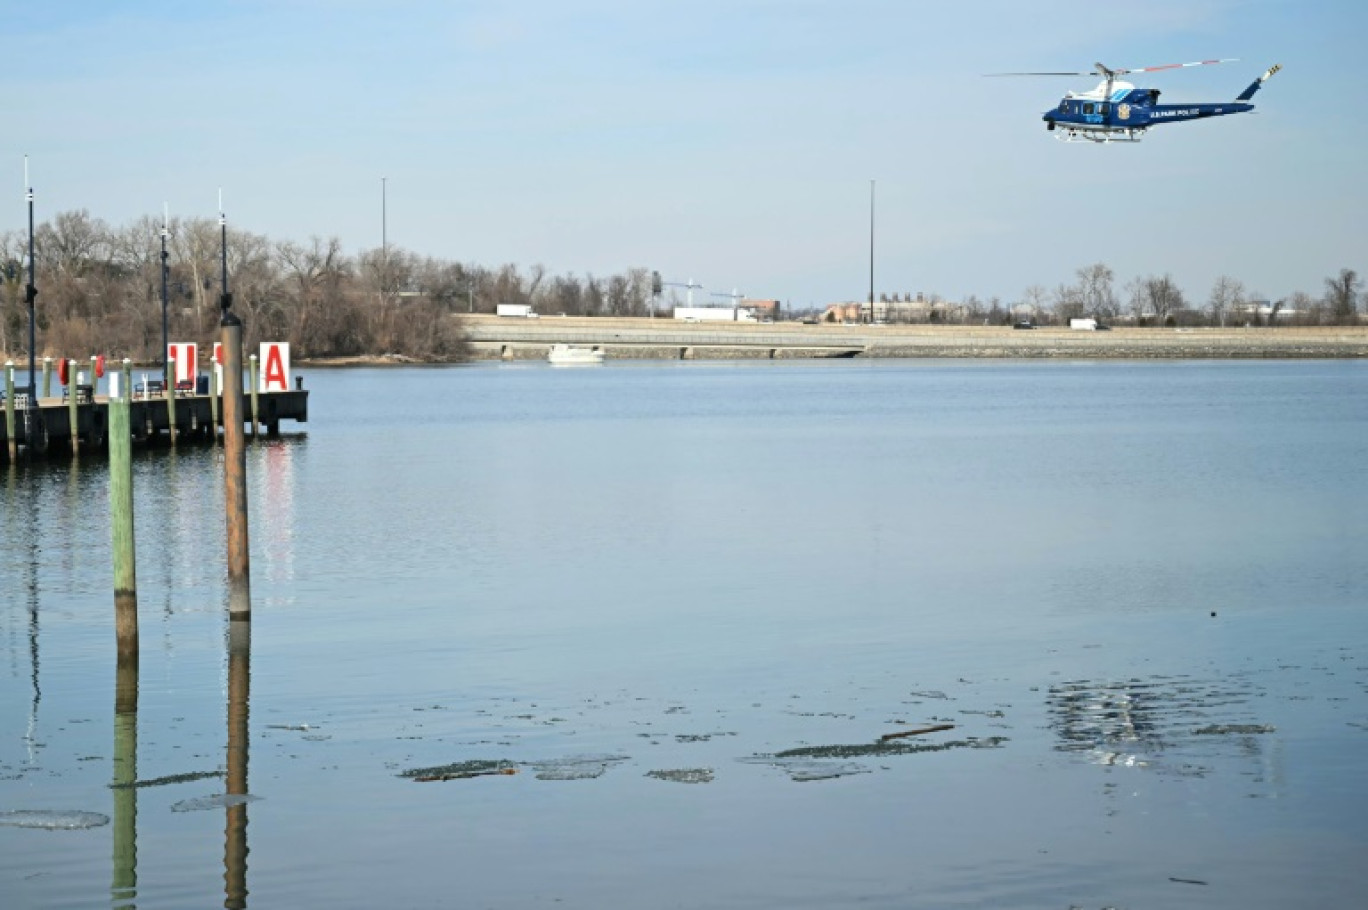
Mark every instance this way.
x=100 y=291
x=1150 y=300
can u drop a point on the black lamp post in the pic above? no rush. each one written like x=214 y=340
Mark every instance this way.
x=871 y=251
x=31 y=295
x=166 y=343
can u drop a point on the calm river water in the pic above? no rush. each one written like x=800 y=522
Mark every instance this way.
x=629 y=636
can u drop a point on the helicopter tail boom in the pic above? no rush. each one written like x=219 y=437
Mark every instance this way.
x=1258 y=83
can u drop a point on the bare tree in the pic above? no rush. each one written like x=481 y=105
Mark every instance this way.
x=1341 y=295
x=1158 y=298
x=1227 y=294
x=1095 y=289
x=1068 y=302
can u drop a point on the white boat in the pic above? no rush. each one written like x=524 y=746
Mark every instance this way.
x=564 y=354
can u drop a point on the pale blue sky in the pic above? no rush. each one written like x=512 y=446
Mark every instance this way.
x=728 y=142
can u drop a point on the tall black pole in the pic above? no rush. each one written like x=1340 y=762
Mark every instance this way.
x=31 y=294
x=166 y=342
x=871 y=251
x=384 y=238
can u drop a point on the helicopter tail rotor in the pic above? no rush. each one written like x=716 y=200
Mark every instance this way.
x=1258 y=83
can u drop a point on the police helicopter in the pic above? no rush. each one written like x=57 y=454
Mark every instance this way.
x=1117 y=111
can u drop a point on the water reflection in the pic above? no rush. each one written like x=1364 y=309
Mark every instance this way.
x=271 y=472
x=23 y=527
x=235 y=835
x=1137 y=722
x=124 y=888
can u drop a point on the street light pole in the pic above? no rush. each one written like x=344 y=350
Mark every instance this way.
x=31 y=295
x=871 y=251
x=166 y=341
x=384 y=237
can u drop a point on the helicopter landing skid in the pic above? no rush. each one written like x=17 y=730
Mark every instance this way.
x=1101 y=137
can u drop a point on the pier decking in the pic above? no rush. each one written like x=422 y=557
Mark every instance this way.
x=150 y=419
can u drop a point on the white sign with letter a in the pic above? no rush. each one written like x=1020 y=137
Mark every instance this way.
x=275 y=367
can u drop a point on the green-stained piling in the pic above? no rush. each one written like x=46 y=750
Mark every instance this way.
x=73 y=418
x=254 y=379
x=121 y=523
x=47 y=377
x=170 y=388
x=9 y=412
x=213 y=402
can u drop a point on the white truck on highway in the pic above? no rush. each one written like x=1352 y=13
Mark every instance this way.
x=523 y=310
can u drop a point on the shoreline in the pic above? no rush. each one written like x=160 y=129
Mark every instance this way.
x=491 y=338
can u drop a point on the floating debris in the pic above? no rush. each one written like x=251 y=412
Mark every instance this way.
x=461 y=770
x=297 y=728
x=52 y=820
x=684 y=775
x=169 y=779
x=934 y=728
x=217 y=801
x=576 y=767
x=887 y=748
x=1233 y=730
x=810 y=769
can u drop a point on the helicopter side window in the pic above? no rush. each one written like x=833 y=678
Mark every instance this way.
x=1063 y=107
x=1088 y=108
x=1104 y=109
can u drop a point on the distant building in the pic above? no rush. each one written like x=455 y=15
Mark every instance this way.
x=903 y=311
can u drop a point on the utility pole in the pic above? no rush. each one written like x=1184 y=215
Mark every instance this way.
x=31 y=415
x=166 y=341
x=871 y=251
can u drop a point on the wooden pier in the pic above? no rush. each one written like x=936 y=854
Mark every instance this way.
x=150 y=419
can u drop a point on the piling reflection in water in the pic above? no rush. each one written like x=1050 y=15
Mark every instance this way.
x=23 y=530
x=124 y=888
x=235 y=835
x=1137 y=722
x=273 y=480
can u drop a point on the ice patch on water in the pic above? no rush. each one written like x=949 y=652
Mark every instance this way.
x=217 y=801
x=684 y=775
x=576 y=767
x=52 y=820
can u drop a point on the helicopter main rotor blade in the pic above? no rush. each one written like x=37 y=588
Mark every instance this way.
x=1169 y=66
x=993 y=75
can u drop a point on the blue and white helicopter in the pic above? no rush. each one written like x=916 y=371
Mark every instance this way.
x=1117 y=111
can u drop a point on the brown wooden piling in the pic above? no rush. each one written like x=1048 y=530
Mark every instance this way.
x=235 y=470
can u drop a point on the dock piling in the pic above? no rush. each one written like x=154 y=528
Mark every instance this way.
x=252 y=378
x=121 y=524
x=9 y=412
x=73 y=385
x=169 y=387
x=214 y=403
x=47 y=377
x=235 y=470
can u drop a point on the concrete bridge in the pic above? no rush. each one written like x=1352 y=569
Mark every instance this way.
x=513 y=338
